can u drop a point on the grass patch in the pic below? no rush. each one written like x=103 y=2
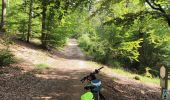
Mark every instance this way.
x=140 y=78
x=6 y=57
x=114 y=79
x=42 y=66
x=130 y=75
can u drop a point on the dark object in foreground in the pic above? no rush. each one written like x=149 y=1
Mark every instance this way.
x=94 y=85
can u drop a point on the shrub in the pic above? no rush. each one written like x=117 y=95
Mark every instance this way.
x=136 y=78
x=6 y=57
x=115 y=63
x=57 y=38
x=92 y=47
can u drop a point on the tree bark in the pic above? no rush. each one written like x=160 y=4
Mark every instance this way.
x=30 y=20
x=3 y=16
x=43 y=33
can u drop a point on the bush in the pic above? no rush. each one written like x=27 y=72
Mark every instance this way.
x=93 y=47
x=57 y=38
x=6 y=57
x=136 y=78
x=115 y=63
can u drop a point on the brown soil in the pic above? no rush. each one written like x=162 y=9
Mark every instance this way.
x=61 y=80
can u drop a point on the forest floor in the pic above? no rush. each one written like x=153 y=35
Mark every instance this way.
x=55 y=75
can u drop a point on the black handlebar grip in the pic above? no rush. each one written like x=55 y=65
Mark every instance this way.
x=91 y=74
x=97 y=70
x=100 y=68
x=84 y=78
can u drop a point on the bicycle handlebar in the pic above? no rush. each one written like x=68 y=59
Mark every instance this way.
x=91 y=74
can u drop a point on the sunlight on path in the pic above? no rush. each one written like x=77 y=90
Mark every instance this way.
x=62 y=72
x=61 y=80
x=73 y=58
x=72 y=51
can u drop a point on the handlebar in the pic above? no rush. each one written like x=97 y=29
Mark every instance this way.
x=92 y=75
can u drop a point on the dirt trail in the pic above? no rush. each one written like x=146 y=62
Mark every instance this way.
x=61 y=80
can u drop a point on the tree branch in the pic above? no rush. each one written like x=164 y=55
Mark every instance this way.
x=159 y=8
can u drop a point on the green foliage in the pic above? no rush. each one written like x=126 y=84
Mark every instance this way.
x=60 y=19
x=137 y=78
x=90 y=45
x=58 y=38
x=155 y=41
x=110 y=43
x=126 y=32
x=116 y=64
x=42 y=66
x=147 y=73
x=6 y=58
x=22 y=28
x=14 y=16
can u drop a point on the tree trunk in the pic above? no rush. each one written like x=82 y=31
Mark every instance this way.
x=25 y=5
x=30 y=20
x=43 y=34
x=168 y=20
x=3 y=16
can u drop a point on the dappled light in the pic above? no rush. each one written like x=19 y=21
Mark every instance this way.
x=85 y=49
x=61 y=80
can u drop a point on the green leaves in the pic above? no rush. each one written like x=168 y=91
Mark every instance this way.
x=128 y=32
x=130 y=50
x=6 y=58
x=125 y=31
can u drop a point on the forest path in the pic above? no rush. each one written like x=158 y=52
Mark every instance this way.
x=56 y=75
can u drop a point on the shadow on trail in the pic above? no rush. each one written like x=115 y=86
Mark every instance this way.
x=44 y=85
x=30 y=45
x=70 y=52
x=60 y=84
x=49 y=84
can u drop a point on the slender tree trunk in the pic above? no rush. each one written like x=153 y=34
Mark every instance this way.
x=127 y=3
x=30 y=20
x=43 y=34
x=3 y=16
x=25 y=5
x=168 y=19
